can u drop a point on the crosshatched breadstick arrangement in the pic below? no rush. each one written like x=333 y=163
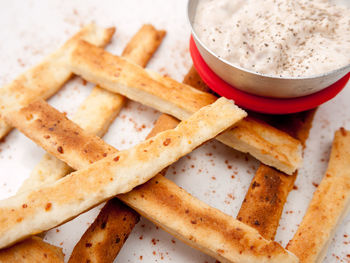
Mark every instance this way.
x=140 y=188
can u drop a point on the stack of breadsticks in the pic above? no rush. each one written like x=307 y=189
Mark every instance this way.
x=80 y=170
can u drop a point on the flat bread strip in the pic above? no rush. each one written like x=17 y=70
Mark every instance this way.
x=33 y=249
x=44 y=208
x=46 y=78
x=99 y=109
x=116 y=74
x=143 y=45
x=329 y=205
x=263 y=204
x=202 y=226
x=264 y=201
x=107 y=234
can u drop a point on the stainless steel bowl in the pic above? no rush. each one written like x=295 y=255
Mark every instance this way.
x=262 y=84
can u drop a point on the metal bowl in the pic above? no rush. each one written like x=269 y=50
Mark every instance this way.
x=262 y=84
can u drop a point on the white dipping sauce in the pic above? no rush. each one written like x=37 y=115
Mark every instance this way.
x=289 y=38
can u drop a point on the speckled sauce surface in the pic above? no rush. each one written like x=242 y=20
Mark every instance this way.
x=213 y=173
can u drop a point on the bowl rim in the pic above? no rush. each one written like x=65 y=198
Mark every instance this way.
x=196 y=38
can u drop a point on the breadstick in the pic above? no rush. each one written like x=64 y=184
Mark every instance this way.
x=33 y=249
x=45 y=79
x=99 y=109
x=116 y=74
x=50 y=205
x=263 y=204
x=232 y=239
x=329 y=205
x=106 y=236
x=201 y=226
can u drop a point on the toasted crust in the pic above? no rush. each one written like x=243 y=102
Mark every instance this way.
x=267 y=144
x=51 y=205
x=193 y=79
x=263 y=204
x=150 y=39
x=33 y=249
x=45 y=79
x=193 y=221
x=55 y=133
x=328 y=206
x=98 y=110
x=107 y=235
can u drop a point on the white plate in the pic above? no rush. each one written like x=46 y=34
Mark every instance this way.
x=32 y=29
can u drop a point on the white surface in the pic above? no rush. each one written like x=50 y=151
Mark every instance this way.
x=32 y=29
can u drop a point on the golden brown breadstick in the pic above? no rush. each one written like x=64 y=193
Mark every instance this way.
x=45 y=79
x=201 y=226
x=33 y=249
x=50 y=205
x=116 y=74
x=99 y=109
x=106 y=236
x=328 y=206
x=263 y=204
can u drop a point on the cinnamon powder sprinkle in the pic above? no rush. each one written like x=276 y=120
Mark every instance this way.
x=48 y=206
x=60 y=149
x=343 y=131
x=167 y=142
